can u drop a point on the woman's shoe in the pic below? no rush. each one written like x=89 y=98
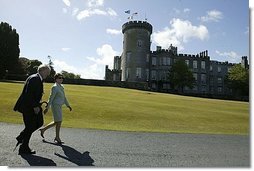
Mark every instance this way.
x=42 y=133
x=58 y=141
x=18 y=143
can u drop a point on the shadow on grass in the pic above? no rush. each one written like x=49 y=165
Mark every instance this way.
x=34 y=160
x=74 y=156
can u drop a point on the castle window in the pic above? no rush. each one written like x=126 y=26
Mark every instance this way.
x=168 y=61
x=139 y=43
x=195 y=88
x=153 y=61
x=203 y=78
x=128 y=56
x=153 y=86
x=138 y=73
x=203 y=88
x=219 y=89
x=127 y=73
x=164 y=75
x=219 y=80
x=195 y=64
x=187 y=62
x=147 y=74
x=211 y=67
x=211 y=81
x=229 y=68
x=164 y=62
x=147 y=58
x=202 y=64
x=153 y=75
x=219 y=69
x=195 y=75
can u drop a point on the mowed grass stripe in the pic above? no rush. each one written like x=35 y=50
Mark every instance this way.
x=110 y=108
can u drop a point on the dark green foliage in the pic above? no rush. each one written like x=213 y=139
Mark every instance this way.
x=9 y=49
x=180 y=76
x=33 y=66
x=238 y=80
x=70 y=75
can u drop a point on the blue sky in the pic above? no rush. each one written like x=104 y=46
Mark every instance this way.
x=82 y=36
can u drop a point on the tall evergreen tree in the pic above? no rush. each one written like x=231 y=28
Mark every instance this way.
x=9 y=49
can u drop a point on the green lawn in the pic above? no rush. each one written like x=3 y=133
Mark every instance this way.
x=133 y=110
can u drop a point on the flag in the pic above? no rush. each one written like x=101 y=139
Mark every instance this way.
x=128 y=11
x=130 y=18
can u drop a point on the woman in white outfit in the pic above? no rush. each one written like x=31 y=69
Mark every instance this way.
x=56 y=100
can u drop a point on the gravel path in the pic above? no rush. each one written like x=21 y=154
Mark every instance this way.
x=84 y=147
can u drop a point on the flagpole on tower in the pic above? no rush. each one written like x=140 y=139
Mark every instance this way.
x=128 y=12
x=134 y=14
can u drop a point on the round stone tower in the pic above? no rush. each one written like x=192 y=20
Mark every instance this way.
x=136 y=50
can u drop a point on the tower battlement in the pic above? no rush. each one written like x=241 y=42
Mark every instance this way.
x=137 y=24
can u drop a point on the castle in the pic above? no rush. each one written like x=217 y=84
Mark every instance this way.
x=139 y=64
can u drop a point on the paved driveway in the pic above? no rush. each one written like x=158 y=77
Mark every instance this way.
x=85 y=147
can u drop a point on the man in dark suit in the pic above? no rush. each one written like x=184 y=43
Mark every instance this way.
x=29 y=105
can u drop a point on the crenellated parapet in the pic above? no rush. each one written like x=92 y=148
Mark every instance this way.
x=137 y=24
x=222 y=63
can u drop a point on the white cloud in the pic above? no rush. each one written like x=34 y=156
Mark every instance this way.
x=177 y=11
x=95 y=7
x=92 y=72
x=179 y=32
x=213 y=15
x=186 y=10
x=230 y=56
x=83 y=14
x=64 y=10
x=89 y=72
x=111 y=12
x=75 y=11
x=63 y=66
x=113 y=31
x=95 y=3
x=67 y=3
x=106 y=56
x=65 y=49
x=90 y=12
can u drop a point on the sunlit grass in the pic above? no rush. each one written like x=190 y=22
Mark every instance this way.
x=111 y=108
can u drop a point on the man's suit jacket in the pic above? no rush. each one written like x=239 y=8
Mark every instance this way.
x=31 y=95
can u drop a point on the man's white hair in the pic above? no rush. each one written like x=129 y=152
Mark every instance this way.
x=43 y=67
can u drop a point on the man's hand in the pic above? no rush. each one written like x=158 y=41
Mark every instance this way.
x=37 y=110
x=69 y=108
x=45 y=111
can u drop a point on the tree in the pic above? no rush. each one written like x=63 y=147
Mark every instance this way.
x=9 y=49
x=70 y=75
x=22 y=67
x=52 y=71
x=33 y=66
x=238 y=80
x=180 y=76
